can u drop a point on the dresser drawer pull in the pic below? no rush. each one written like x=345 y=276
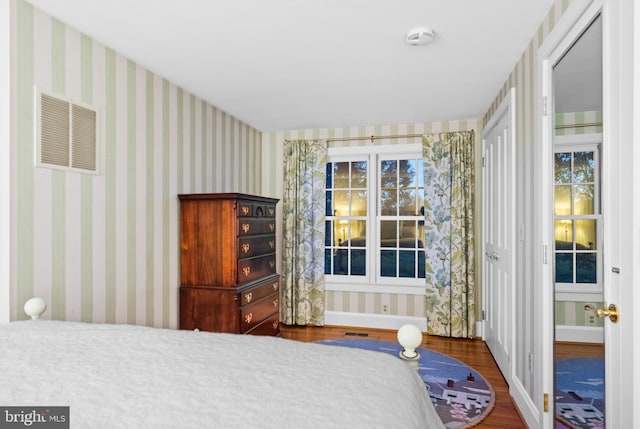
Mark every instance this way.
x=272 y=264
x=275 y=325
x=275 y=303
x=272 y=227
x=272 y=244
x=245 y=210
x=245 y=228
x=271 y=212
x=275 y=286
x=248 y=297
x=246 y=271
x=248 y=318
x=246 y=247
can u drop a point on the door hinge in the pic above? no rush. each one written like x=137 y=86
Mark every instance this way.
x=483 y=318
x=544 y=106
x=484 y=161
x=545 y=255
x=546 y=402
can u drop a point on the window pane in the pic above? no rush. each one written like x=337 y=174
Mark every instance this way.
x=562 y=167
x=341 y=175
x=562 y=200
x=329 y=203
x=341 y=262
x=341 y=230
x=564 y=267
x=327 y=234
x=586 y=268
x=329 y=175
x=586 y=235
x=407 y=263
x=358 y=262
x=388 y=202
x=583 y=198
x=583 y=166
x=408 y=173
x=564 y=234
x=359 y=174
x=388 y=174
x=421 y=261
x=358 y=233
x=407 y=203
x=358 y=203
x=388 y=233
x=327 y=261
x=388 y=263
x=341 y=203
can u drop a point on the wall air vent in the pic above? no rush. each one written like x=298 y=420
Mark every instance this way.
x=66 y=135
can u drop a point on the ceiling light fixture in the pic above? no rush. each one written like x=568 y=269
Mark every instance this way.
x=419 y=36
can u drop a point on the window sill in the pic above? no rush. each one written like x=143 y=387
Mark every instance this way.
x=338 y=286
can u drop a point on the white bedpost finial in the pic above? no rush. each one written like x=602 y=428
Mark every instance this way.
x=35 y=307
x=410 y=338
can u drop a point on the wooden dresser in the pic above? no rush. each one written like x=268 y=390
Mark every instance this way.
x=228 y=264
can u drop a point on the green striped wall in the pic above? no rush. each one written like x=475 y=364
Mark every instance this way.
x=575 y=123
x=365 y=302
x=104 y=248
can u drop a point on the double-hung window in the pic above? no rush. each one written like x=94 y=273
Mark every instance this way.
x=375 y=216
x=577 y=218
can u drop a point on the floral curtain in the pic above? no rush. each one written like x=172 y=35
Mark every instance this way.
x=303 y=243
x=449 y=233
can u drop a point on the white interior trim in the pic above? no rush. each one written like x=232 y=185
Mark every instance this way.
x=580 y=334
x=375 y=321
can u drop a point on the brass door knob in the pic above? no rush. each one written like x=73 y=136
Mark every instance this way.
x=611 y=312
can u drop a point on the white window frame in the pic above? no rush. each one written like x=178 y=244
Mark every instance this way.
x=584 y=143
x=371 y=281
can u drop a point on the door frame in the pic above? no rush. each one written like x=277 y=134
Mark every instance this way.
x=619 y=273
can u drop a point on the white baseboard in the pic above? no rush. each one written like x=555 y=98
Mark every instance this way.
x=375 y=321
x=525 y=405
x=480 y=329
x=580 y=334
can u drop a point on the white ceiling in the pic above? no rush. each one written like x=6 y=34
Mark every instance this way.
x=297 y=64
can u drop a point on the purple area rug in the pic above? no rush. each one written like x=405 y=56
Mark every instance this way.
x=460 y=395
x=580 y=393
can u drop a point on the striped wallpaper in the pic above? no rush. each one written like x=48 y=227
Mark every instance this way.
x=575 y=123
x=104 y=248
x=364 y=302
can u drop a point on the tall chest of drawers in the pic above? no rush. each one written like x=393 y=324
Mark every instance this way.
x=228 y=264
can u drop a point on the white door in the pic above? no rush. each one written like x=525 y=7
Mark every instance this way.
x=620 y=190
x=498 y=233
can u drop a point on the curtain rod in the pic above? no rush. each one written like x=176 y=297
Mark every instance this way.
x=591 y=124
x=372 y=137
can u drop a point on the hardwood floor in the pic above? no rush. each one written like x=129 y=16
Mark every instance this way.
x=472 y=352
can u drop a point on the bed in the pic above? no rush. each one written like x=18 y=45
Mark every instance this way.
x=124 y=376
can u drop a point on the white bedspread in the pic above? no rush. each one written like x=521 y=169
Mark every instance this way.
x=123 y=376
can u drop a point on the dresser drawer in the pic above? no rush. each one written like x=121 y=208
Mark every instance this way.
x=255 y=268
x=244 y=209
x=254 y=314
x=256 y=226
x=256 y=246
x=259 y=291
x=271 y=326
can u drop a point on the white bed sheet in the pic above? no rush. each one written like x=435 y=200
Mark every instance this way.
x=123 y=376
